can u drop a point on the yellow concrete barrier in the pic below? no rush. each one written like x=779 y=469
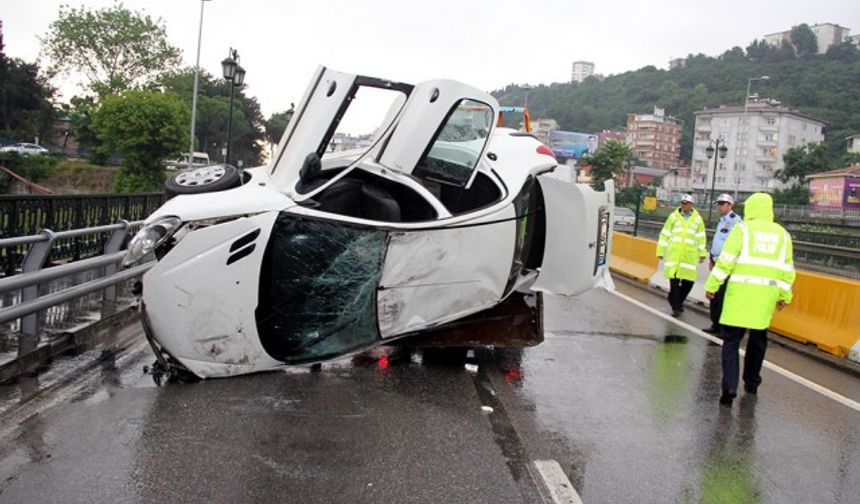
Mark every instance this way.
x=825 y=311
x=633 y=257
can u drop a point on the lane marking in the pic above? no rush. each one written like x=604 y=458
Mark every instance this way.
x=773 y=367
x=555 y=482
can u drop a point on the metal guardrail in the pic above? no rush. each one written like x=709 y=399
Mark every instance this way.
x=34 y=272
x=833 y=260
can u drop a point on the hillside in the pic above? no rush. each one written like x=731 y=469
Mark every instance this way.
x=826 y=87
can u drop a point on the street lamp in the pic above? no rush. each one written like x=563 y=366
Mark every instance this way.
x=526 y=87
x=194 y=95
x=744 y=122
x=235 y=74
x=715 y=146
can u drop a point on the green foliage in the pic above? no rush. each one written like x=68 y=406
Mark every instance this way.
x=32 y=168
x=277 y=124
x=822 y=86
x=607 y=162
x=795 y=194
x=213 y=108
x=804 y=41
x=803 y=161
x=847 y=159
x=114 y=48
x=25 y=101
x=145 y=127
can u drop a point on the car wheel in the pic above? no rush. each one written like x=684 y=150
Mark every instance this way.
x=202 y=180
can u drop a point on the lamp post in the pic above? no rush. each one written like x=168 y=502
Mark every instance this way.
x=235 y=75
x=527 y=88
x=744 y=121
x=194 y=94
x=718 y=147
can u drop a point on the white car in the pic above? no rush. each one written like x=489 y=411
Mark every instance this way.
x=198 y=159
x=624 y=218
x=25 y=149
x=319 y=254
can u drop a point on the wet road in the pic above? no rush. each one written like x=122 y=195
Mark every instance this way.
x=623 y=401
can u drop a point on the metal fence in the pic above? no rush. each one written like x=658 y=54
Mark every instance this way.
x=814 y=256
x=30 y=299
x=25 y=215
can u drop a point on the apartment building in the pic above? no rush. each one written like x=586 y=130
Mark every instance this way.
x=655 y=138
x=756 y=138
x=826 y=34
x=581 y=70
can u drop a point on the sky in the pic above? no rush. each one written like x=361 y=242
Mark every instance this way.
x=486 y=43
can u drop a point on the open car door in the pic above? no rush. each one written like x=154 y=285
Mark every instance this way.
x=578 y=232
x=442 y=133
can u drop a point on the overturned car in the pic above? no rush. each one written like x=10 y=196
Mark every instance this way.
x=436 y=220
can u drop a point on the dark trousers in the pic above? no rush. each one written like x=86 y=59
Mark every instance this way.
x=756 y=348
x=716 y=306
x=678 y=291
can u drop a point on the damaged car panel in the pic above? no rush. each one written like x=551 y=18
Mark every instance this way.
x=442 y=224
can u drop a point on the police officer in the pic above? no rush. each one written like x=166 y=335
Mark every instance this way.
x=757 y=260
x=728 y=218
x=682 y=246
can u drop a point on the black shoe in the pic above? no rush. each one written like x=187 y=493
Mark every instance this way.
x=676 y=313
x=751 y=389
x=727 y=398
x=712 y=330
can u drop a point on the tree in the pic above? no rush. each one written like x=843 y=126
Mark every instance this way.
x=845 y=52
x=145 y=127
x=796 y=194
x=804 y=41
x=277 y=124
x=213 y=108
x=26 y=108
x=607 y=162
x=115 y=49
x=803 y=161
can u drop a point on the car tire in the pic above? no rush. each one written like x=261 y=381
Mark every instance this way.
x=202 y=180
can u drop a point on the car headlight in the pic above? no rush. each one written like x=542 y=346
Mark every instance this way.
x=149 y=238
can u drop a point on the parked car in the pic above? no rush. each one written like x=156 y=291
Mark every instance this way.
x=624 y=218
x=446 y=221
x=198 y=159
x=25 y=149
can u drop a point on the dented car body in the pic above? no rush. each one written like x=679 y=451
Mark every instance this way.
x=440 y=219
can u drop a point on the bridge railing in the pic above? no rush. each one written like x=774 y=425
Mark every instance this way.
x=34 y=273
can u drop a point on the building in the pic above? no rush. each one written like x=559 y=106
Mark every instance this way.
x=655 y=138
x=854 y=39
x=827 y=34
x=542 y=127
x=838 y=188
x=605 y=135
x=852 y=143
x=581 y=70
x=756 y=138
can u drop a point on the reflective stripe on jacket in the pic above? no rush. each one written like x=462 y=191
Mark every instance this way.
x=681 y=243
x=757 y=259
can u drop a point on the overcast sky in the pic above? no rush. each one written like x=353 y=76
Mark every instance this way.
x=486 y=43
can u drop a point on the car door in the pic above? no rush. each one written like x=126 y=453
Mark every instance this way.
x=578 y=234
x=308 y=129
x=442 y=133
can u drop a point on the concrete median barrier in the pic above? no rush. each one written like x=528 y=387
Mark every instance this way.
x=825 y=312
x=633 y=257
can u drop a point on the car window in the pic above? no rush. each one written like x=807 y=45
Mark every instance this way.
x=367 y=114
x=456 y=149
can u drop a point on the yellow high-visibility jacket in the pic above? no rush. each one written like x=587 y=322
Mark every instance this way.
x=681 y=244
x=757 y=259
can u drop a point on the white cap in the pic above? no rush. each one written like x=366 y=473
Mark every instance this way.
x=725 y=197
x=687 y=198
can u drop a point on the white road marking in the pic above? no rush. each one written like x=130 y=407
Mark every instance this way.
x=773 y=367
x=558 y=487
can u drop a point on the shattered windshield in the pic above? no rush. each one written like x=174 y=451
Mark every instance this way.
x=318 y=289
